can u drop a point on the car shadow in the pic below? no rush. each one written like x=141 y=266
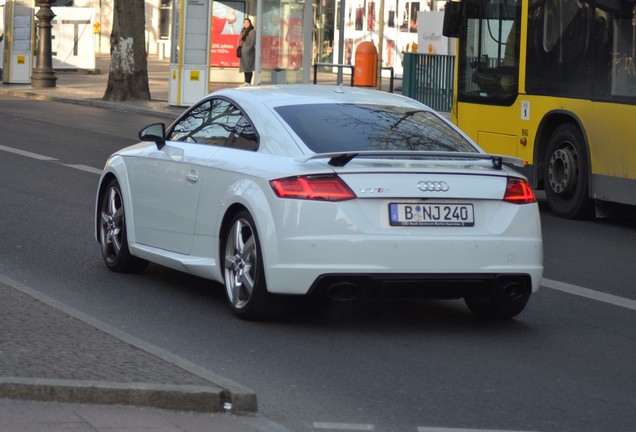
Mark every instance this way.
x=395 y=315
x=362 y=314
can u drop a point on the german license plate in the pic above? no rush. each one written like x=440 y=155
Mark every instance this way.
x=431 y=214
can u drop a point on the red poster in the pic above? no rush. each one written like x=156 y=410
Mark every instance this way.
x=227 y=22
x=223 y=50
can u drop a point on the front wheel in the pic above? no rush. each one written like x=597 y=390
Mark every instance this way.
x=566 y=174
x=244 y=277
x=112 y=233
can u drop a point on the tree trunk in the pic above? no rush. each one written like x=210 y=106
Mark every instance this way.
x=128 y=74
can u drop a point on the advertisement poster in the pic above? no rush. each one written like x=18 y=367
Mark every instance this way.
x=273 y=40
x=282 y=41
x=361 y=24
x=72 y=38
x=227 y=23
x=431 y=39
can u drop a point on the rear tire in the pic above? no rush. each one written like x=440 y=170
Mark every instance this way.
x=566 y=174
x=113 y=235
x=243 y=272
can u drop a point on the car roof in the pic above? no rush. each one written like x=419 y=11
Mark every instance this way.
x=286 y=94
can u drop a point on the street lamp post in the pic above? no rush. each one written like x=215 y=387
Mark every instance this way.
x=43 y=75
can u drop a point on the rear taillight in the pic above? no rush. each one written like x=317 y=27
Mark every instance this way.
x=323 y=187
x=518 y=191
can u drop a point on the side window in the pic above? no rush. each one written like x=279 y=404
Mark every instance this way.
x=615 y=46
x=190 y=125
x=211 y=122
x=244 y=137
x=559 y=46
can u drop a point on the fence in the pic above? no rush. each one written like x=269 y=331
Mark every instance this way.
x=428 y=78
x=331 y=66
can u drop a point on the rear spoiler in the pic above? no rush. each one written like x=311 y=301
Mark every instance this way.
x=340 y=159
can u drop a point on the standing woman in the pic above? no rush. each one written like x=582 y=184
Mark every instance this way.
x=247 y=43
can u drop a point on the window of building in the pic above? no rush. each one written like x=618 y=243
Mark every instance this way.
x=164 y=19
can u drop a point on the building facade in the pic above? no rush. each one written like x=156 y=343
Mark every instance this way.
x=291 y=38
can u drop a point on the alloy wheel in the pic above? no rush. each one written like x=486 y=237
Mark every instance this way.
x=111 y=227
x=241 y=258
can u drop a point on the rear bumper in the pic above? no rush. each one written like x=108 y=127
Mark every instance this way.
x=314 y=241
x=434 y=286
x=420 y=264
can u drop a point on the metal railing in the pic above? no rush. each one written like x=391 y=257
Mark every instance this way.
x=332 y=65
x=391 y=78
x=428 y=78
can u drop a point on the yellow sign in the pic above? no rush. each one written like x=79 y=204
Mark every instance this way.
x=174 y=75
x=21 y=59
x=194 y=75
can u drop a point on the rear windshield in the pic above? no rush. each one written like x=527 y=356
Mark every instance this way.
x=327 y=128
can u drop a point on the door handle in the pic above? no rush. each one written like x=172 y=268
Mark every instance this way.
x=192 y=177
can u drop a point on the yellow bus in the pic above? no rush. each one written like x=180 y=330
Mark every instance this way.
x=552 y=82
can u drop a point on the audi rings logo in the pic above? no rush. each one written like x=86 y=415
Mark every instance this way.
x=433 y=186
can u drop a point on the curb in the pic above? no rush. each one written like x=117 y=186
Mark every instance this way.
x=174 y=397
x=115 y=106
x=222 y=395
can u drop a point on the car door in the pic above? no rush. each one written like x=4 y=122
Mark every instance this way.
x=232 y=163
x=167 y=181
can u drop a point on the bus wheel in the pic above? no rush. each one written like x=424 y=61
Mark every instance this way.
x=566 y=176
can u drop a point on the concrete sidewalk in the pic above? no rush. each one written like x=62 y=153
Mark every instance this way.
x=88 y=87
x=61 y=370
x=55 y=360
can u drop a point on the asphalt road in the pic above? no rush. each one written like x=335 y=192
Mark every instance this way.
x=568 y=363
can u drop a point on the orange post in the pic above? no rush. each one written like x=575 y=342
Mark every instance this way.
x=365 y=67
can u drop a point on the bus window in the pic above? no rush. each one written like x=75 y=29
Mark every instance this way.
x=623 y=71
x=558 y=48
x=615 y=50
x=490 y=61
x=453 y=19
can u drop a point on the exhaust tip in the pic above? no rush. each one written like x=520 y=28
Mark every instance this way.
x=343 y=291
x=514 y=290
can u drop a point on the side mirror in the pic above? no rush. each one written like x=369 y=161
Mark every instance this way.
x=453 y=19
x=154 y=133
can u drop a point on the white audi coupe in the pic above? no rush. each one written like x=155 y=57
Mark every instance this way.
x=342 y=192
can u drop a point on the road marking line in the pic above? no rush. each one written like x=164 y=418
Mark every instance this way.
x=27 y=154
x=40 y=157
x=344 y=426
x=441 y=429
x=85 y=168
x=588 y=293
